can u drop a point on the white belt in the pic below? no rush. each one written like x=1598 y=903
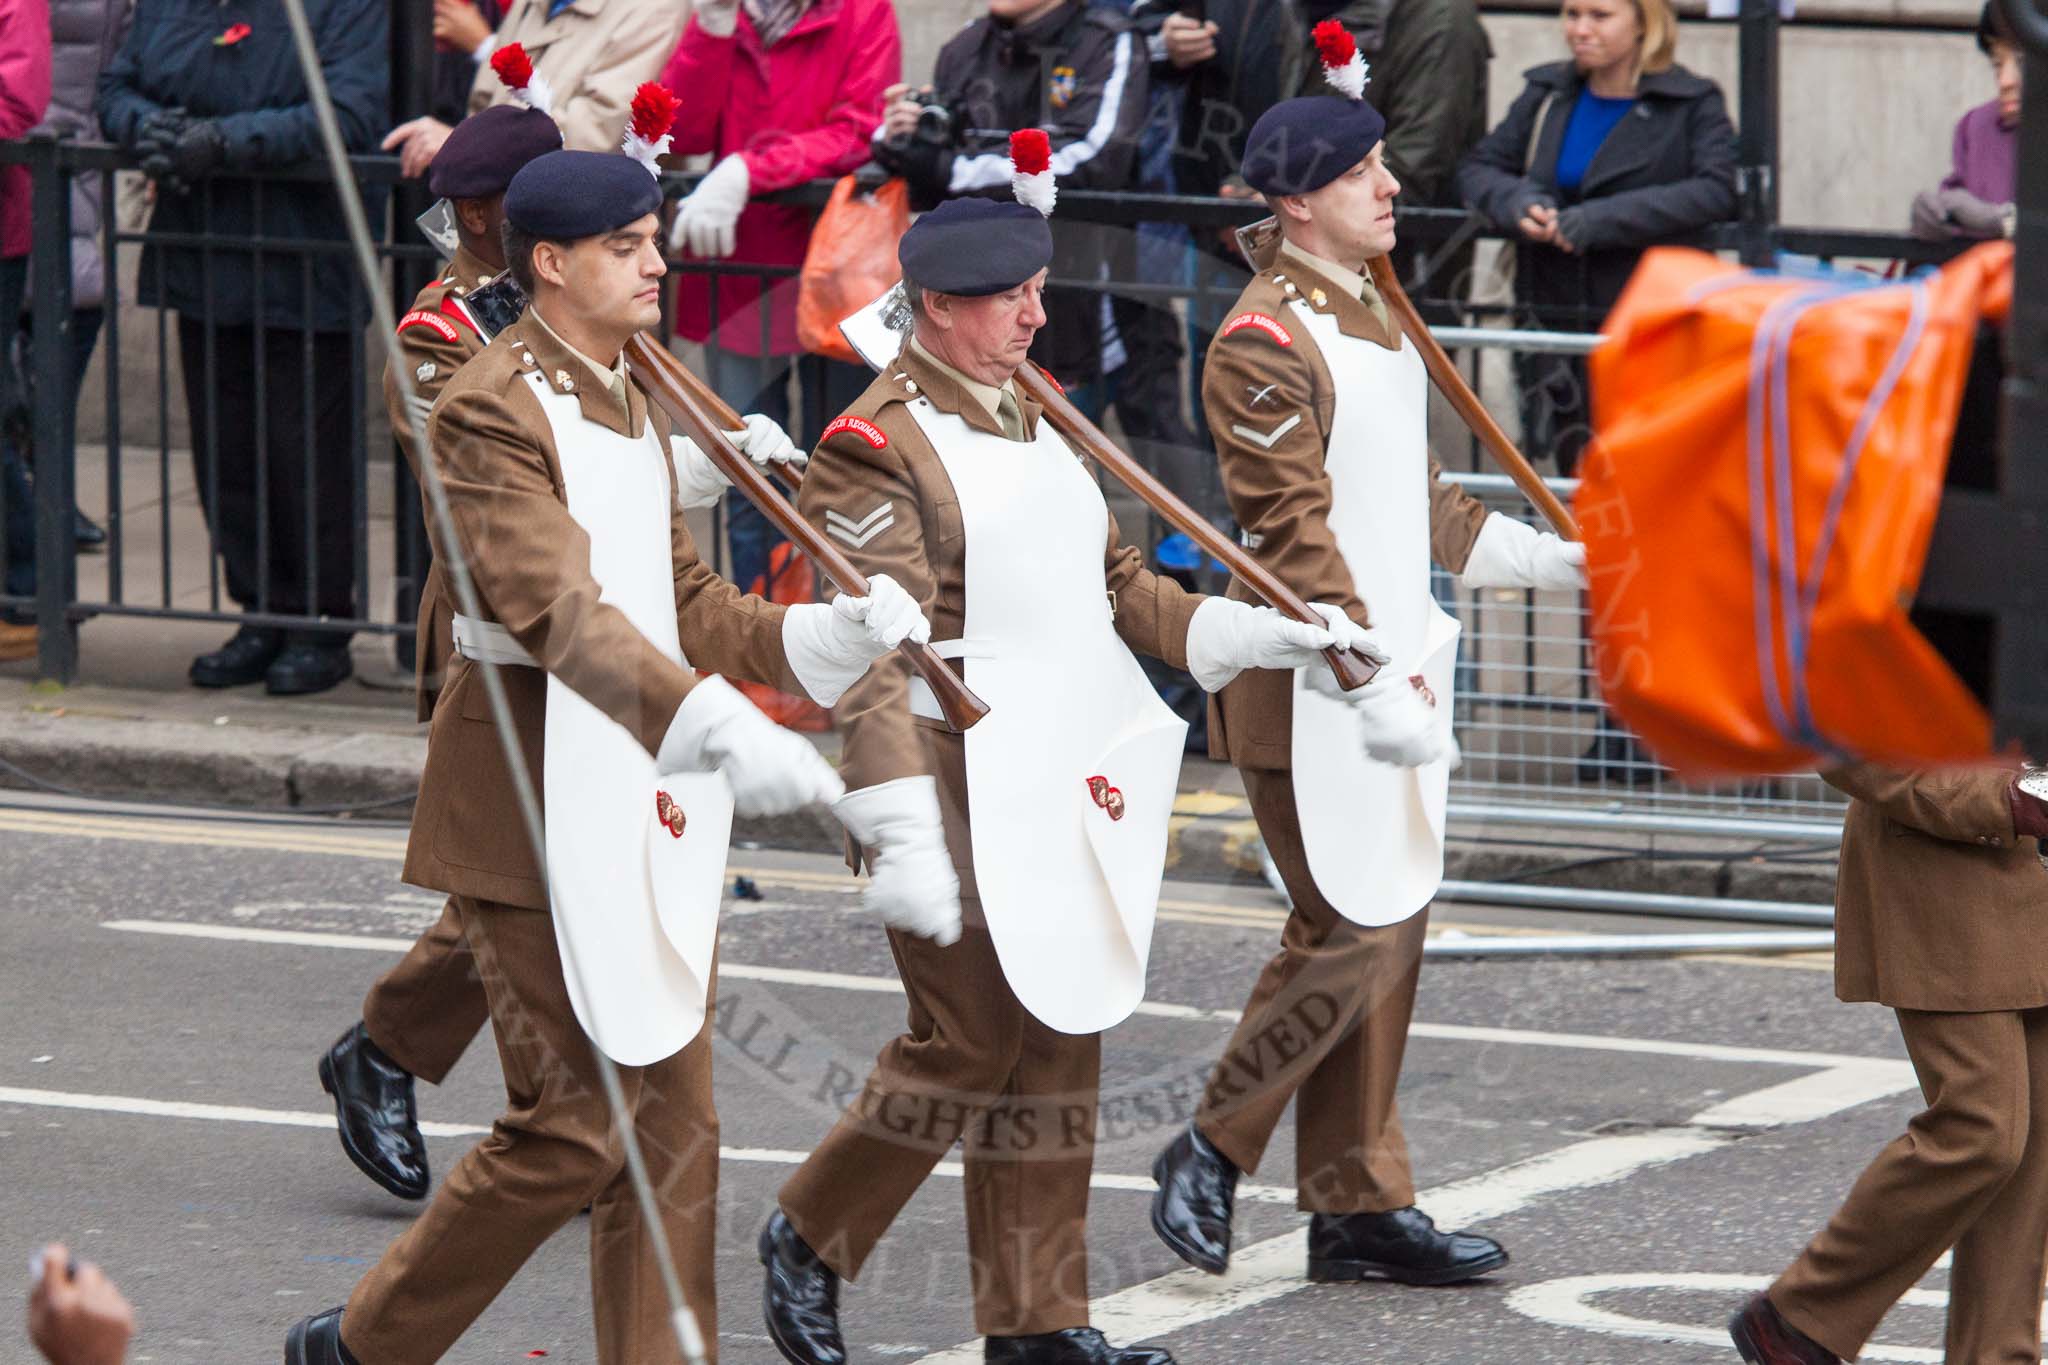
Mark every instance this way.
x=490 y=642
x=922 y=702
x=1249 y=540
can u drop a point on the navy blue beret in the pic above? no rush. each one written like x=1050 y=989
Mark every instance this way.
x=976 y=247
x=567 y=195
x=1300 y=145
x=487 y=149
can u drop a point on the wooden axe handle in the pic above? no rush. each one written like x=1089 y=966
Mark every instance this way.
x=1353 y=670
x=1452 y=386
x=681 y=394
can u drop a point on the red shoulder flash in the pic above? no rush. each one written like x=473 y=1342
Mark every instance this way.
x=1269 y=325
x=450 y=308
x=434 y=322
x=860 y=427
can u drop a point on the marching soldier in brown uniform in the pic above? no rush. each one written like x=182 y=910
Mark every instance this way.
x=421 y=1015
x=1939 y=906
x=1319 y=412
x=562 y=486
x=946 y=478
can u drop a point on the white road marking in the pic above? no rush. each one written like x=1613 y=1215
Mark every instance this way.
x=1562 y=1303
x=1273 y=1268
x=305 y=1118
x=1882 y=1069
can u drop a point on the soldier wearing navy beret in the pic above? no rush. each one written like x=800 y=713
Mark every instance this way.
x=567 y=489
x=947 y=477
x=1318 y=409
x=420 y=1016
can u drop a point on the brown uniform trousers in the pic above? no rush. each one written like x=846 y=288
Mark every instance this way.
x=423 y=1012
x=1328 y=1020
x=1939 y=909
x=549 y=1154
x=973 y=1065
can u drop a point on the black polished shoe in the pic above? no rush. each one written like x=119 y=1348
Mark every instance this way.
x=800 y=1298
x=308 y=666
x=243 y=659
x=317 y=1341
x=1191 y=1212
x=1074 y=1346
x=1763 y=1337
x=88 y=535
x=1403 y=1245
x=373 y=1105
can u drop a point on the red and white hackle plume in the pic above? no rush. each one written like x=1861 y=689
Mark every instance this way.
x=1343 y=67
x=515 y=69
x=654 y=113
x=1031 y=169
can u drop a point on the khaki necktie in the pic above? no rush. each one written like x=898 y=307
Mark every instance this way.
x=1010 y=415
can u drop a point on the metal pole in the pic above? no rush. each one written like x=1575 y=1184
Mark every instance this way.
x=1651 y=903
x=412 y=94
x=50 y=360
x=1629 y=945
x=1617 y=821
x=2020 y=660
x=1756 y=175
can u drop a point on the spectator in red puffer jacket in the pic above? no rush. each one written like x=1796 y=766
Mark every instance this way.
x=779 y=92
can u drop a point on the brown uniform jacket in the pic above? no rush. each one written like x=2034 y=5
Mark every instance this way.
x=530 y=561
x=1270 y=410
x=1938 y=904
x=923 y=547
x=435 y=343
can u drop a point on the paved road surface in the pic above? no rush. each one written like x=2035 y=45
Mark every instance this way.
x=1649 y=1138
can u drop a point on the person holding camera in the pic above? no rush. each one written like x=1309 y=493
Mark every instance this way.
x=1080 y=74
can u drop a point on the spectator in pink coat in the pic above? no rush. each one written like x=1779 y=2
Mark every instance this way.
x=780 y=92
x=24 y=97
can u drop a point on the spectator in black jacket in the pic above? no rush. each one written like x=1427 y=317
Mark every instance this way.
x=1078 y=73
x=207 y=91
x=1599 y=157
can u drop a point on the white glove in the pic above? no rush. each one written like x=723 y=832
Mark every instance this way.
x=706 y=217
x=829 y=645
x=1399 y=726
x=912 y=884
x=1226 y=637
x=700 y=482
x=771 y=771
x=718 y=17
x=1514 y=554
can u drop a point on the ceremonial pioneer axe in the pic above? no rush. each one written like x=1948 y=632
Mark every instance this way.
x=871 y=332
x=1453 y=387
x=706 y=418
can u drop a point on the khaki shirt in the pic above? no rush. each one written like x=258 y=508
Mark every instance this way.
x=1278 y=490
x=1939 y=905
x=593 y=55
x=530 y=561
x=902 y=488
x=436 y=342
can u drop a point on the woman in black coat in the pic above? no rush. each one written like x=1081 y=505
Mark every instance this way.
x=1598 y=158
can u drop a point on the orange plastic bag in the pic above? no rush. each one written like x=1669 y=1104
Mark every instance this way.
x=850 y=261
x=1757 y=500
x=790 y=580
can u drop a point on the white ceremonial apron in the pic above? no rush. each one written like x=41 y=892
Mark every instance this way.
x=1068 y=892
x=635 y=905
x=1374 y=832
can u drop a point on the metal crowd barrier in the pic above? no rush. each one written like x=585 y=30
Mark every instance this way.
x=1528 y=708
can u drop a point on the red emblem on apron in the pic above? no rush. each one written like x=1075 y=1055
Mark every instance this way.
x=1107 y=797
x=669 y=813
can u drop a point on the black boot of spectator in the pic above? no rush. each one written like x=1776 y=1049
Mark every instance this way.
x=243 y=659
x=89 y=535
x=309 y=664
